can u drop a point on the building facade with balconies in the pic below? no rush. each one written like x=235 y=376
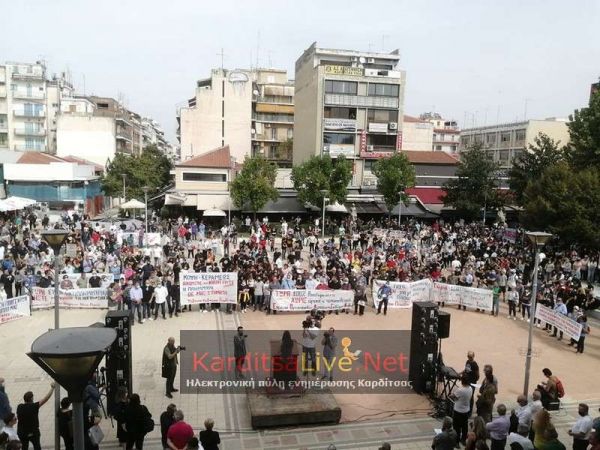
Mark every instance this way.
x=348 y=103
x=446 y=133
x=505 y=142
x=273 y=116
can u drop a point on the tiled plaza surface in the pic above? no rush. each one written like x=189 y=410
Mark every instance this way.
x=367 y=420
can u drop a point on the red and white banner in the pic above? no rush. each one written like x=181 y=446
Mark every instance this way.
x=305 y=300
x=403 y=293
x=202 y=287
x=14 y=308
x=564 y=323
x=452 y=294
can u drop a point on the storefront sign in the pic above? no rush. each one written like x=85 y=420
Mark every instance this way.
x=336 y=150
x=339 y=124
x=375 y=127
x=344 y=70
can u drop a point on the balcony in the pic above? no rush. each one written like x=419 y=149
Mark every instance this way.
x=123 y=137
x=29 y=114
x=30 y=148
x=266 y=138
x=2 y=92
x=3 y=127
x=273 y=118
x=33 y=95
x=277 y=99
x=26 y=132
x=33 y=75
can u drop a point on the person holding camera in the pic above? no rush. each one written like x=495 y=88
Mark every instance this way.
x=329 y=343
x=310 y=334
x=169 y=365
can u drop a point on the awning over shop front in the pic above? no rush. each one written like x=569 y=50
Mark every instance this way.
x=283 y=205
x=213 y=201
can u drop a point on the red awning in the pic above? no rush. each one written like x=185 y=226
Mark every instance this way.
x=428 y=195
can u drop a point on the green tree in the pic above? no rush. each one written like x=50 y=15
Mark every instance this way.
x=583 y=148
x=284 y=149
x=322 y=174
x=254 y=186
x=530 y=164
x=152 y=168
x=394 y=175
x=475 y=186
x=565 y=204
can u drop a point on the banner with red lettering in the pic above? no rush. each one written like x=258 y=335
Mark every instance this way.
x=305 y=300
x=203 y=287
x=14 y=308
x=564 y=323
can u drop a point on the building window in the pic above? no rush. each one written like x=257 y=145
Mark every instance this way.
x=290 y=133
x=382 y=115
x=383 y=90
x=102 y=105
x=490 y=138
x=369 y=163
x=520 y=135
x=382 y=141
x=341 y=87
x=438 y=147
x=338 y=138
x=332 y=112
x=505 y=137
x=274 y=134
x=211 y=177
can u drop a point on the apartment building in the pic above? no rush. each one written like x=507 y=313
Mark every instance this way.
x=417 y=134
x=348 y=103
x=249 y=110
x=446 y=133
x=505 y=142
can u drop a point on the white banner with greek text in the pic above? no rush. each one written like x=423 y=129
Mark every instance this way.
x=305 y=300
x=14 y=308
x=451 y=294
x=202 y=287
x=403 y=293
x=72 y=298
x=564 y=323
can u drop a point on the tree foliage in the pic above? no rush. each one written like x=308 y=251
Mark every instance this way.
x=254 y=186
x=475 y=186
x=322 y=173
x=394 y=175
x=565 y=204
x=530 y=165
x=583 y=148
x=151 y=168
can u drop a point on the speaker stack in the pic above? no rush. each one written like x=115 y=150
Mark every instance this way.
x=423 y=347
x=118 y=359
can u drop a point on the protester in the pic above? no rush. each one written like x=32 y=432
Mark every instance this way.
x=179 y=432
x=582 y=428
x=136 y=422
x=498 y=429
x=447 y=439
x=28 y=428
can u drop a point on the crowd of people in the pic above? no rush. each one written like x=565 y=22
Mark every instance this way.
x=526 y=427
x=293 y=255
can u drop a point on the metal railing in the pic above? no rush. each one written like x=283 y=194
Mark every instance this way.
x=31 y=132
x=29 y=148
x=32 y=114
x=29 y=95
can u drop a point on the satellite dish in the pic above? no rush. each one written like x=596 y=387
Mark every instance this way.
x=255 y=92
x=362 y=60
x=253 y=131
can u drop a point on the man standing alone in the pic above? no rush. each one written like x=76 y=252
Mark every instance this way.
x=582 y=428
x=169 y=365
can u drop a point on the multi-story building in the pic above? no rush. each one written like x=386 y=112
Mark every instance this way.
x=504 y=142
x=348 y=103
x=417 y=134
x=219 y=114
x=595 y=87
x=249 y=110
x=29 y=103
x=446 y=133
x=273 y=116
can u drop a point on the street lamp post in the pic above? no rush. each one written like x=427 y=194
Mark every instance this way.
x=56 y=239
x=400 y=208
x=70 y=356
x=124 y=175
x=325 y=199
x=146 y=189
x=538 y=239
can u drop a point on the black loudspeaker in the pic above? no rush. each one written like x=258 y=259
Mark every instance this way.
x=423 y=347
x=443 y=324
x=118 y=358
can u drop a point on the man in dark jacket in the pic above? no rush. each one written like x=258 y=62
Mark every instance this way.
x=166 y=420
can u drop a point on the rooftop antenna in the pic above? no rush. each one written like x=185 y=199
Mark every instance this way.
x=257 y=47
x=222 y=55
x=383 y=36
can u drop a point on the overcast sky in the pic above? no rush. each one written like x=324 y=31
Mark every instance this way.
x=480 y=60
